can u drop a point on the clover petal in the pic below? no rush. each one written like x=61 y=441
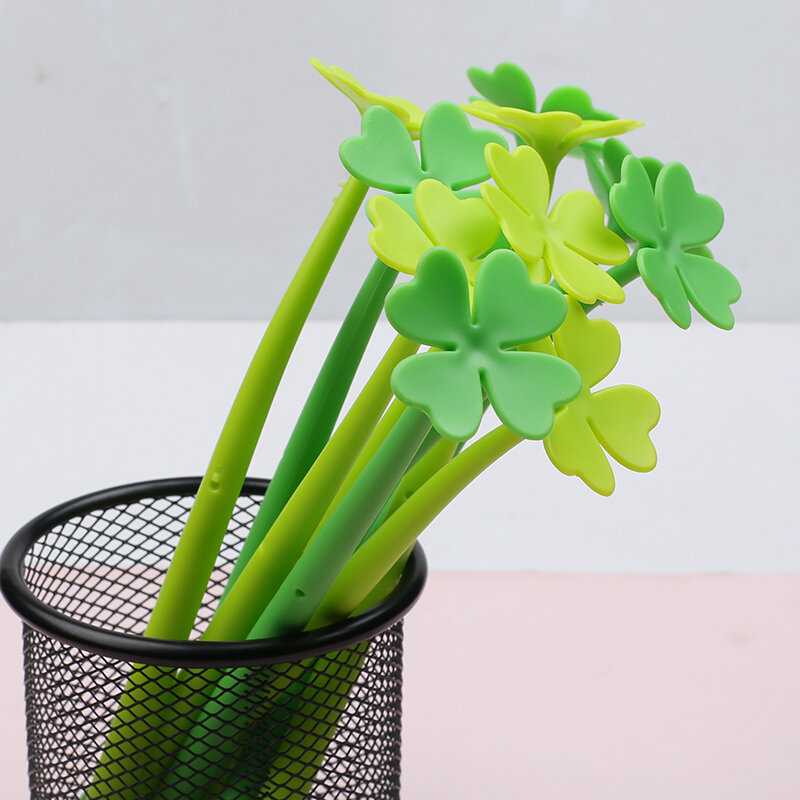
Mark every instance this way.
x=451 y=149
x=658 y=272
x=443 y=386
x=622 y=418
x=578 y=217
x=520 y=229
x=575 y=100
x=524 y=387
x=396 y=239
x=383 y=155
x=574 y=450
x=410 y=114
x=512 y=308
x=592 y=346
x=521 y=175
x=465 y=226
x=633 y=202
x=434 y=307
x=598 y=129
x=616 y=420
x=615 y=152
x=506 y=85
x=690 y=218
x=520 y=199
x=711 y=288
x=580 y=277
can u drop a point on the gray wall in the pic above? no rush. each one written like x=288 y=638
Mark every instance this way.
x=172 y=159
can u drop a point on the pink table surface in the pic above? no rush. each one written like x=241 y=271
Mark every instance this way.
x=525 y=686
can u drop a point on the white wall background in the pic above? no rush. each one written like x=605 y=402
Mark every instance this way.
x=172 y=158
x=95 y=404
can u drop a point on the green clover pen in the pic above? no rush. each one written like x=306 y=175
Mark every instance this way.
x=438 y=455
x=185 y=582
x=379 y=553
x=381 y=431
x=276 y=555
x=321 y=410
x=294 y=602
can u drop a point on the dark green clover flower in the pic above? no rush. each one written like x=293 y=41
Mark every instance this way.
x=476 y=347
x=669 y=220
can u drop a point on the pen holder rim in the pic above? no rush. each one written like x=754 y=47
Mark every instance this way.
x=137 y=648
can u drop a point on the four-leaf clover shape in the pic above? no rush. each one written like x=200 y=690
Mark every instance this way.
x=570 y=240
x=451 y=151
x=670 y=219
x=467 y=227
x=476 y=346
x=616 y=420
x=409 y=114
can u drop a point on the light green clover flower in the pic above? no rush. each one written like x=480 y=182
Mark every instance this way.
x=671 y=220
x=476 y=346
x=570 y=240
x=466 y=227
x=616 y=420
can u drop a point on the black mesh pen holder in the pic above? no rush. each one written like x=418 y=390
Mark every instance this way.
x=113 y=714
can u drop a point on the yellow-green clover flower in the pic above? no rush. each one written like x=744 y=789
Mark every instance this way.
x=467 y=227
x=408 y=113
x=476 y=345
x=616 y=420
x=552 y=133
x=671 y=220
x=570 y=241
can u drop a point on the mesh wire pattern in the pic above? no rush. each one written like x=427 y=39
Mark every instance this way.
x=323 y=726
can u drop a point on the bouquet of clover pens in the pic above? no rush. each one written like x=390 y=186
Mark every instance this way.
x=503 y=283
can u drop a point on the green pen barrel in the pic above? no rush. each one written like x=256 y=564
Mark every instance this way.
x=84 y=576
